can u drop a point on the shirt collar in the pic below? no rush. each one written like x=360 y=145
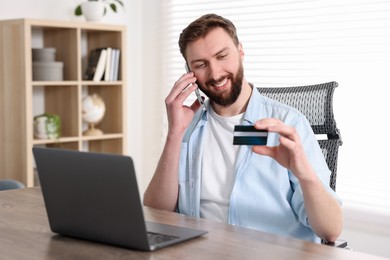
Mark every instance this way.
x=253 y=108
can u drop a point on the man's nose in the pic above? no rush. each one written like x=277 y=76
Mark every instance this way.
x=215 y=71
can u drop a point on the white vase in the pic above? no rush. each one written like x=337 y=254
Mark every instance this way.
x=93 y=10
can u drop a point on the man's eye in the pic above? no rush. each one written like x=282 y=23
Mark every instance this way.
x=199 y=66
x=222 y=56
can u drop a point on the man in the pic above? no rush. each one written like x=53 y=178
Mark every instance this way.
x=280 y=188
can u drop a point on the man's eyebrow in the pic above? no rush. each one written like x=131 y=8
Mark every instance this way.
x=215 y=55
x=221 y=51
x=197 y=60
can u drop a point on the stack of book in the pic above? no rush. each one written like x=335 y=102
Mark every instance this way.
x=103 y=64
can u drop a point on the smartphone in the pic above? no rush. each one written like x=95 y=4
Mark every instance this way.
x=197 y=92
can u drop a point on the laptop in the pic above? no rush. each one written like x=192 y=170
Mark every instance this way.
x=94 y=196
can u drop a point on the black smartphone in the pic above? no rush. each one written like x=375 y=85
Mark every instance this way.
x=197 y=92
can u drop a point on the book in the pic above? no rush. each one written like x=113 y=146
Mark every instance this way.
x=101 y=65
x=92 y=63
x=108 y=67
x=113 y=62
x=116 y=65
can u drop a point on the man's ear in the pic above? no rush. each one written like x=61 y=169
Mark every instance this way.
x=241 y=51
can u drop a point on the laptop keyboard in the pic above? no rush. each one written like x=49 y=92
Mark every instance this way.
x=157 y=238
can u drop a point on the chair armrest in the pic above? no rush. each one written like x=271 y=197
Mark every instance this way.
x=338 y=243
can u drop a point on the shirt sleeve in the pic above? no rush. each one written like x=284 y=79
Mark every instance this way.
x=317 y=161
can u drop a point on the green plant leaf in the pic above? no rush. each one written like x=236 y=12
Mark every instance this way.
x=120 y=2
x=78 y=11
x=113 y=7
x=52 y=126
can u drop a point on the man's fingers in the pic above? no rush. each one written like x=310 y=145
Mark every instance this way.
x=277 y=126
x=182 y=88
x=263 y=150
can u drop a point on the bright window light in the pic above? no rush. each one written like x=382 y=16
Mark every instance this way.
x=290 y=43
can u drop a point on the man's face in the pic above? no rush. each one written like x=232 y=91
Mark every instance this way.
x=217 y=64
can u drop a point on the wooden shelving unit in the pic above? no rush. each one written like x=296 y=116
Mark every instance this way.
x=21 y=98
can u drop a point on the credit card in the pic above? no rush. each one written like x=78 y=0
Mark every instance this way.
x=249 y=135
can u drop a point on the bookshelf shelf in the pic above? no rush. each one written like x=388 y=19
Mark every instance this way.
x=22 y=98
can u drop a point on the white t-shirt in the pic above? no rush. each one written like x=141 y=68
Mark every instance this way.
x=218 y=162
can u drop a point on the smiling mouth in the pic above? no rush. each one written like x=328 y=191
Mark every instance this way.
x=220 y=84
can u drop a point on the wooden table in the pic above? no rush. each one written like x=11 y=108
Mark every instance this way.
x=25 y=234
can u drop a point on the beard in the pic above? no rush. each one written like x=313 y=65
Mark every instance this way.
x=235 y=91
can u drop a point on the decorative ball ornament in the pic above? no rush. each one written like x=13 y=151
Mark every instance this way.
x=93 y=109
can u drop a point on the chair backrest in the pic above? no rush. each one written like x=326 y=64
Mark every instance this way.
x=316 y=103
x=9 y=184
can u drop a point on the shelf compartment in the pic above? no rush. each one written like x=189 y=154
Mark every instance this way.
x=114 y=146
x=93 y=39
x=62 y=101
x=65 y=41
x=112 y=97
x=74 y=145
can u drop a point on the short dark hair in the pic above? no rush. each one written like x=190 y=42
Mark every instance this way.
x=202 y=26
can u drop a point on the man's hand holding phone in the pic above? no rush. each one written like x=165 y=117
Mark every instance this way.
x=180 y=115
x=197 y=92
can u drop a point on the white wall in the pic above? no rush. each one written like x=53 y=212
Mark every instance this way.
x=366 y=233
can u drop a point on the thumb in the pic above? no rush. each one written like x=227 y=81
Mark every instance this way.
x=196 y=105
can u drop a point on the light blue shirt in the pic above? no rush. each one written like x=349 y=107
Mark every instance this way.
x=265 y=195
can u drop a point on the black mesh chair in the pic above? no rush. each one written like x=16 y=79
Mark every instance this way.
x=316 y=103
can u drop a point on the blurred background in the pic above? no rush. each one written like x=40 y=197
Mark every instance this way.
x=286 y=43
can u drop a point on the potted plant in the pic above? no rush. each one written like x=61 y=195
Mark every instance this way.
x=94 y=10
x=47 y=126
